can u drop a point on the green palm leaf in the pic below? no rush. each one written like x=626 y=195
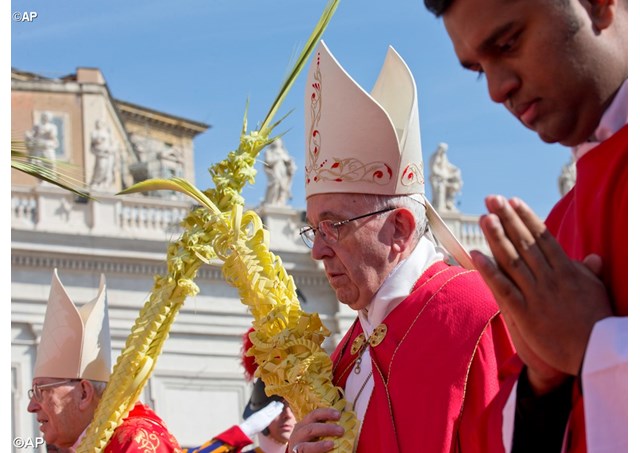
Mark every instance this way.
x=42 y=168
x=175 y=184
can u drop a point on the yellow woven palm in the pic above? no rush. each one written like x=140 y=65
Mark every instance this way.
x=287 y=341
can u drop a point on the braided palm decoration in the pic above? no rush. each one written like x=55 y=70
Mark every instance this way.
x=287 y=341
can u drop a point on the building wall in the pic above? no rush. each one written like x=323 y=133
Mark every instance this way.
x=26 y=107
x=174 y=133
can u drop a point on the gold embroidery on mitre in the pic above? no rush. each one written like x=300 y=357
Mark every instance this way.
x=413 y=174
x=340 y=170
x=313 y=140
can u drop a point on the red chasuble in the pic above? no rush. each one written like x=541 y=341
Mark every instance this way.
x=436 y=370
x=142 y=431
x=591 y=218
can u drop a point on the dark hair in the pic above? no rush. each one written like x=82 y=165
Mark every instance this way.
x=438 y=7
x=259 y=399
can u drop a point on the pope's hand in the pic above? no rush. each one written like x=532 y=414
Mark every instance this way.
x=306 y=436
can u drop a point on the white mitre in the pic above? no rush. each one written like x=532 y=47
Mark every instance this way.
x=358 y=142
x=75 y=342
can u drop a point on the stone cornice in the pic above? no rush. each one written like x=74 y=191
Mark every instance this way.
x=58 y=86
x=119 y=265
x=98 y=264
x=145 y=115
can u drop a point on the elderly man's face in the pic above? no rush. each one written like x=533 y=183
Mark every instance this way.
x=57 y=412
x=360 y=261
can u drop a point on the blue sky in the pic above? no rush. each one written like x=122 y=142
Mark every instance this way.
x=203 y=59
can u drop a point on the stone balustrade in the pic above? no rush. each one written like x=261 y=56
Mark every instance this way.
x=46 y=208
x=465 y=227
x=49 y=209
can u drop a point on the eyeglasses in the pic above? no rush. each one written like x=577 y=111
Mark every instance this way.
x=36 y=390
x=330 y=230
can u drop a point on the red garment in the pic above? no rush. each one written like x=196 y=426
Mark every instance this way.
x=590 y=218
x=436 y=370
x=593 y=218
x=142 y=432
x=229 y=441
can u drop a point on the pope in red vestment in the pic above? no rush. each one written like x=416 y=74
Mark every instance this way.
x=420 y=365
x=436 y=369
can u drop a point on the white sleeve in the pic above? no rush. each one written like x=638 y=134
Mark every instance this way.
x=605 y=386
x=508 y=419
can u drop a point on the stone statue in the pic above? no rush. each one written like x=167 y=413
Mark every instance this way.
x=279 y=167
x=42 y=140
x=102 y=147
x=567 y=178
x=445 y=178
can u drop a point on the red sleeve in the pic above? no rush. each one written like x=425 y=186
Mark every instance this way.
x=231 y=440
x=493 y=372
x=235 y=437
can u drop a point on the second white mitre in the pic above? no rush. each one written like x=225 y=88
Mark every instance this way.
x=75 y=342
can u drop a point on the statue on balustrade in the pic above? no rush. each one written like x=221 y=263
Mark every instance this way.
x=445 y=178
x=42 y=140
x=279 y=167
x=103 y=149
x=567 y=178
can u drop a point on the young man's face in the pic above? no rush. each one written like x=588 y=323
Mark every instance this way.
x=541 y=59
x=282 y=426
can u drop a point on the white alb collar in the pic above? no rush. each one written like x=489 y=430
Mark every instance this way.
x=398 y=284
x=614 y=118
